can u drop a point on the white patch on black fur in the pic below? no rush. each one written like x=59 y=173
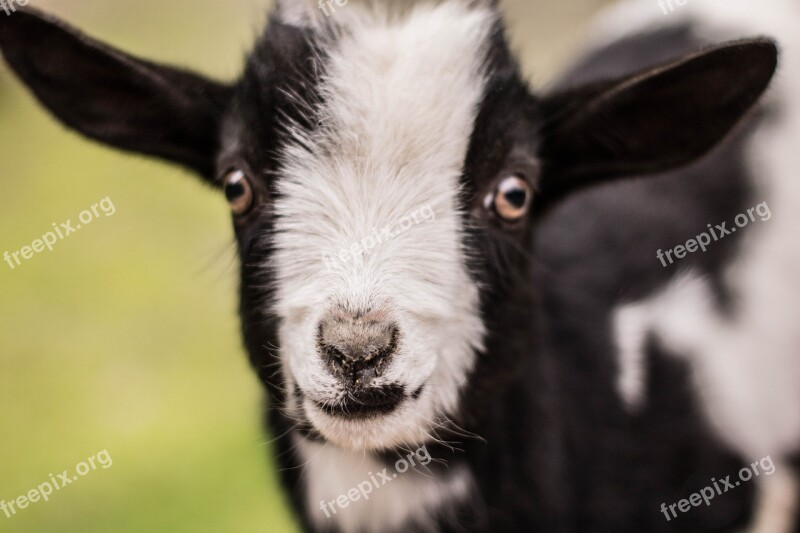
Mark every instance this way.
x=747 y=368
x=631 y=326
x=401 y=93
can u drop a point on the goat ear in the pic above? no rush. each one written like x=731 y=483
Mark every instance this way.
x=652 y=121
x=113 y=97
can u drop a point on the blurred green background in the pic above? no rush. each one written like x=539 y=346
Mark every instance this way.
x=124 y=337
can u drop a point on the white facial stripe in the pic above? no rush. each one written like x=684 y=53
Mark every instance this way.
x=400 y=95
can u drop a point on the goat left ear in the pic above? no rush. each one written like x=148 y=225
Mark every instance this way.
x=654 y=120
x=113 y=97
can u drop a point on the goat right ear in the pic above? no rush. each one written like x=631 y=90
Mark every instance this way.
x=113 y=97
x=654 y=120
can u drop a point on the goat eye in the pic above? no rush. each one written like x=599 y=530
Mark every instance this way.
x=511 y=200
x=239 y=192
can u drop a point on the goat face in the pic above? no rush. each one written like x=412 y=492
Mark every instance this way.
x=378 y=315
x=384 y=168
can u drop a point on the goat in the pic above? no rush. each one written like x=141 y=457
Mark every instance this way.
x=557 y=375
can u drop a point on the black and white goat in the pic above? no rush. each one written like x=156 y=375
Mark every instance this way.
x=560 y=377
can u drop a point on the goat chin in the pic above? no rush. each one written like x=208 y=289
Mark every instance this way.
x=404 y=426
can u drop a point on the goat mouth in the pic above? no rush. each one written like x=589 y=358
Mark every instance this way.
x=365 y=403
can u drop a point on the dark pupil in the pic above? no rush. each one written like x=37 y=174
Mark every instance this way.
x=516 y=197
x=234 y=191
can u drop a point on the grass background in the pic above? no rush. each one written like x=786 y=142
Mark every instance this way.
x=125 y=336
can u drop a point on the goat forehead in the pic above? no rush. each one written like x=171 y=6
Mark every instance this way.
x=398 y=93
x=398 y=99
x=416 y=81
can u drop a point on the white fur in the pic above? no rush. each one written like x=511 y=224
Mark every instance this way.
x=301 y=13
x=747 y=368
x=631 y=325
x=400 y=97
x=415 y=495
x=777 y=502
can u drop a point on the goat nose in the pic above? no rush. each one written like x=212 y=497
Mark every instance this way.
x=357 y=347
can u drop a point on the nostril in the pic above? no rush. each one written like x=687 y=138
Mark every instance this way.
x=357 y=366
x=356 y=349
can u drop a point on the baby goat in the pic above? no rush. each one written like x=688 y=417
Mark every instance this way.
x=524 y=335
